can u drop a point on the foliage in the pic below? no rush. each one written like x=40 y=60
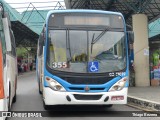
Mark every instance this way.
x=22 y=52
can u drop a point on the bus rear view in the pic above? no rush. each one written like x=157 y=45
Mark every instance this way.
x=84 y=58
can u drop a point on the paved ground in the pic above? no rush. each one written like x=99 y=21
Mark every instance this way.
x=146 y=98
x=148 y=93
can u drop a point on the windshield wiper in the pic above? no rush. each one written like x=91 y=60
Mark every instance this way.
x=98 y=37
x=68 y=46
x=92 y=42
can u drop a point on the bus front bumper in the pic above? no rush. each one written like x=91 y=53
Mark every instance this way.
x=74 y=98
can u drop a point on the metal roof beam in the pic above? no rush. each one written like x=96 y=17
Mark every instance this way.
x=80 y=3
x=87 y=4
x=109 y=4
x=129 y=5
x=74 y=2
x=93 y=5
x=155 y=15
x=145 y=5
x=99 y=6
x=155 y=18
x=138 y=7
x=129 y=14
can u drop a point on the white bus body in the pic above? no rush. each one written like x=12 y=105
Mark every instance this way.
x=9 y=66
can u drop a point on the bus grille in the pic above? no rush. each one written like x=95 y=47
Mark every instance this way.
x=87 y=80
x=87 y=97
x=77 y=88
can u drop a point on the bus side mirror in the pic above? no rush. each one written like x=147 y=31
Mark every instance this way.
x=42 y=39
x=130 y=36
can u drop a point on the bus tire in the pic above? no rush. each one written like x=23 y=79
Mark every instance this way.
x=40 y=92
x=109 y=105
x=46 y=107
x=15 y=98
x=9 y=98
x=15 y=95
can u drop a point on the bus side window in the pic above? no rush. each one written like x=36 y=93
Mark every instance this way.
x=40 y=45
x=13 y=52
x=3 y=46
x=44 y=35
x=41 y=42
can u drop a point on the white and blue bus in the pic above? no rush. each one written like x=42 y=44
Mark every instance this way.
x=8 y=64
x=82 y=58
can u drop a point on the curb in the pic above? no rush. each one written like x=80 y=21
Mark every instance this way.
x=144 y=104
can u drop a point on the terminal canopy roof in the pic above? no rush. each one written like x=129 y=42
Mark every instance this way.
x=23 y=34
x=28 y=25
x=127 y=7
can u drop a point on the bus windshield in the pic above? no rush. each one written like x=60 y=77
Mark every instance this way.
x=71 y=50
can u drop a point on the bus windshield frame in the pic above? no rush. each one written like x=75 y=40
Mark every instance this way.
x=65 y=40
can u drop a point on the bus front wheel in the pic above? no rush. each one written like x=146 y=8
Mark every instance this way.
x=40 y=92
x=14 y=98
x=109 y=105
x=46 y=107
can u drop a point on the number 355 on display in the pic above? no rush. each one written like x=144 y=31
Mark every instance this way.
x=59 y=64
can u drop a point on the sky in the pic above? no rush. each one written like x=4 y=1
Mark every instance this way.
x=21 y=5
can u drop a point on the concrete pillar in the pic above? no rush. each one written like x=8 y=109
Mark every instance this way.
x=141 y=50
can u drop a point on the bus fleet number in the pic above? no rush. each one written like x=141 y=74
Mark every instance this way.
x=59 y=65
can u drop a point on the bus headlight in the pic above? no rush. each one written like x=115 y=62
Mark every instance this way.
x=119 y=85
x=54 y=85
